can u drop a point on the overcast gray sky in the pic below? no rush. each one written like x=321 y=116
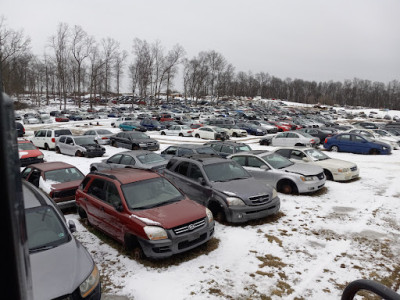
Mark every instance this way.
x=307 y=39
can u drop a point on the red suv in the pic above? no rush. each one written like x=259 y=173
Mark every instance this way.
x=28 y=153
x=144 y=211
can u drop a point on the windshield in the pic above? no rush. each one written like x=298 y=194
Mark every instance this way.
x=84 y=140
x=26 y=146
x=225 y=171
x=243 y=148
x=103 y=131
x=206 y=150
x=150 y=193
x=277 y=161
x=64 y=175
x=150 y=158
x=316 y=155
x=44 y=228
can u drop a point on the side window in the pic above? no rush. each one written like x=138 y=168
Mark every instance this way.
x=84 y=183
x=26 y=172
x=344 y=137
x=195 y=172
x=284 y=152
x=292 y=135
x=96 y=189
x=62 y=139
x=127 y=160
x=69 y=141
x=48 y=134
x=114 y=159
x=296 y=154
x=184 y=151
x=254 y=162
x=358 y=139
x=37 y=133
x=182 y=168
x=216 y=147
x=112 y=194
x=227 y=149
x=171 y=151
x=170 y=164
x=241 y=160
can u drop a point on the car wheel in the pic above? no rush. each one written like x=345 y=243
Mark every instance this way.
x=79 y=153
x=234 y=134
x=138 y=253
x=58 y=150
x=328 y=175
x=197 y=136
x=114 y=144
x=82 y=213
x=287 y=187
x=374 y=151
x=135 y=147
x=93 y=169
x=180 y=134
x=162 y=133
x=334 y=149
x=46 y=147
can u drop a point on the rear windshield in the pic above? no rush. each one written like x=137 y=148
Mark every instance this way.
x=45 y=229
x=64 y=175
x=26 y=146
x=57 y=133
x=150 y=158
x=206 y=150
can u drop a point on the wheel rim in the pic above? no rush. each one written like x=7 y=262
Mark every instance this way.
x=287 y=189
x=334 y=149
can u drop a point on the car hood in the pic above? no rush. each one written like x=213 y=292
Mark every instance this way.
x=92 y=147
x=335 y=163
x=243 y=188
x=29 y=153
x=303 y=169
x=59 y=271
x=171 y=215
x=145 y=140
x=66 y=185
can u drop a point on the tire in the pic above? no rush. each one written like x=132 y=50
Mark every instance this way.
x=181 y=134
x=287 y=187
x=58 y=150
x=82 y=213
x=197 y=136
x=328 y=174
x=374 y=151
x=163 y=133
x=334 y=149
x=234 y=134
x=79 y=153
x=114 y=144
x=93 y=169
x=135 y=147
x=46 y=147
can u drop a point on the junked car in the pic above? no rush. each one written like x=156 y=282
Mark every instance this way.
x=79 y=146
x=134 y=140
x=144 y=211
x=291 y=138
x=46 y=138
x=28 y=153
x=101 y=136
x=177 y=130
x=334 y=169
x=281 y=173
x=223 y=186
x=143 y=159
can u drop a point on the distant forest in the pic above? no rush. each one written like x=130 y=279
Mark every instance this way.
x=75 y=63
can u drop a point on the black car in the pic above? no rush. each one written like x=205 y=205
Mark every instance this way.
x=225 y=148
x=134 y=140
x=20 y=129
x=187 y=149
x=317 y=132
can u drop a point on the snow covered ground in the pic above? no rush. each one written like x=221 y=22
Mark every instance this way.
x=315 y=246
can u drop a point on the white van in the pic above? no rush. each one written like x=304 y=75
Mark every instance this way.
x=46 y=138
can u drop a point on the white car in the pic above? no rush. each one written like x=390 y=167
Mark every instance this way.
x=210 y=133
x=121 y=120
x=101 y=136
x=46 y=138
x=234 y=130
x=178 y=130
x=386 y=134
x=334 y=169
x=31 y=120
x=294 y=138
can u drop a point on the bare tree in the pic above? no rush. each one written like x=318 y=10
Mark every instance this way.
x=110 y=48
x=120 y=59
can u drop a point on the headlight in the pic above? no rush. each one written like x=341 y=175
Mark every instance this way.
x=209 y=215
x=259 y=130
x=384 y=148
x=307 y=178
x=274 y=193
x=90 y=283
x=40 y=156
x=233 y=201
x=155 y=233
x=344 y=170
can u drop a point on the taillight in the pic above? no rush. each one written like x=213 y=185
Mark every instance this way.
x=326 y=140
x=53 y=140
x=312 y=141
x=190 y=131
x=104 y=138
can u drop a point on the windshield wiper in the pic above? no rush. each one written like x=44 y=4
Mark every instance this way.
x=42 y=248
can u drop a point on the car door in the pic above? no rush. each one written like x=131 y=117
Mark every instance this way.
x=360 y=145
x=279 y=139
x=258 y=169
x=173 y=130
x=344 y=143
x=69 y=146
x=114 y=160
x=196 y=180
x=291 y=139
x=111 y=215
x=95 y=199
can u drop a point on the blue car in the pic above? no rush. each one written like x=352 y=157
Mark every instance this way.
x=356 y=143
x=151 y=124
x=132 y=125
x=252 y=129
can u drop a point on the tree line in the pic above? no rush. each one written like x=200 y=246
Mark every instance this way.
x=75 y=63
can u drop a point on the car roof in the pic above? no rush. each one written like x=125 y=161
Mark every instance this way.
x=128 y=175
x=205 y=159
x=135 y=152
x=233 y=143
x=49 y=166
x=190 y=146
x=33 y=197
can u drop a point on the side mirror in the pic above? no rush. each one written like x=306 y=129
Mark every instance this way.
x=119 y=207
x=264 y=167
x=71 y=226
x=202 y=181
x=306 y=159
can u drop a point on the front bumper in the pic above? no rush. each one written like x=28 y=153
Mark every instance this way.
x=177 y=243
x=345 y=176
x=304 y=187
x=241 y=214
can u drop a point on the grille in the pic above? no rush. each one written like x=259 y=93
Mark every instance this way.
x=320 y=176
x=258 y=200
x=65 y=193
x=192 y=226
x=354 y=168
x=187 y=244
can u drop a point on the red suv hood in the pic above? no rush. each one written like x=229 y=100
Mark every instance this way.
x=172 y=215
x=66 y=185
x=29 y=153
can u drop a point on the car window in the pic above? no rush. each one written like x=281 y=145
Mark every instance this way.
x=284 y=152
x=227 y=149
x=112 y=194
x=64 y=175
x=296 y=154
x=57 y=133
x=26 y=172
x=292 y=135
x=182 y=168
x=241 y=160
x=195 y=172
x=254 y=162
x=42 y=133
x=225 y=171
x=48 y=134
x=84 y=182
x=358 y=139
x=184 y=151
x=114 y=159
x=96 y=189
x=69 y=141
x=344 y=137
x=171 y=151
x=216 y=147
x=127 y=160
